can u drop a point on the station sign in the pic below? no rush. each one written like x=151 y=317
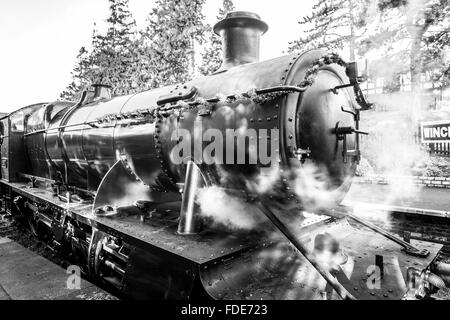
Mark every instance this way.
x=435 y=131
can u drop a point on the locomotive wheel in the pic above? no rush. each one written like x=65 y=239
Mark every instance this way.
x=95 y=249
x=32 y=224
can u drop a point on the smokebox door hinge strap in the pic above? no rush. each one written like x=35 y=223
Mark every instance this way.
x=352 y=73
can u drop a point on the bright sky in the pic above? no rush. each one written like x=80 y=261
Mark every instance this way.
x=40 y=39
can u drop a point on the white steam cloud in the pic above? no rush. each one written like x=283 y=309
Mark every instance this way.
x=226 y=210
x=312 y=186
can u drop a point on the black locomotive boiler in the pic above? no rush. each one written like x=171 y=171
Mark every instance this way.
x=97 y=180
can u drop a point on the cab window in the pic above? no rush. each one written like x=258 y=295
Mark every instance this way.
x=17 y=122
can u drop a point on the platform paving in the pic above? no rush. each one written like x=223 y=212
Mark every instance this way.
x=24 y=275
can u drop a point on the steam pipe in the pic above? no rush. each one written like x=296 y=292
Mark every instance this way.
x=435 y=280
x=332 y=281
x=442 y=269
x=189 y=220
x=419 y=281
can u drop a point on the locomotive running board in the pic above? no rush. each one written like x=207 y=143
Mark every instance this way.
x=407 y=247
x=114 y=190
x=332 y=281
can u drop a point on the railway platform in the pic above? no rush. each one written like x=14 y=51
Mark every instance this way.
x=421 y=200
x=25 y=275
x=423 y=213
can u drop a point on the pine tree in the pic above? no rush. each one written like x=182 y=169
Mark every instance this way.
x=437 y=53
x=113 y=54
x=422 y=26
x=173 y=29
x=437 y=50
x=79 y=77
x=212 y=55
x=113 y=59
x=334 y=24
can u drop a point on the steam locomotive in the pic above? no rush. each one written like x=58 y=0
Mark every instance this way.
x=97 y=179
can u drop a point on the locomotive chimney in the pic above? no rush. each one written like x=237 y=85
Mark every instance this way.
x=241 y=32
